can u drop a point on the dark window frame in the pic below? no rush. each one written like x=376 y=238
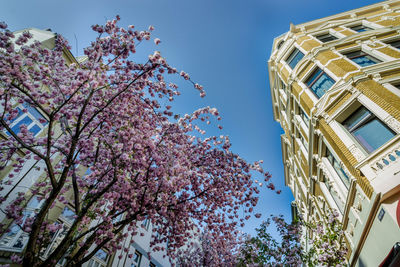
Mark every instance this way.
x=394 y=43
x=353 y=55
x=360 y=28
x=326 y=37
x=363 y=121
x=292 y=56
x=315 y=79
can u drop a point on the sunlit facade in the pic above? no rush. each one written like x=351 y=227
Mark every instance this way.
x=335 y=87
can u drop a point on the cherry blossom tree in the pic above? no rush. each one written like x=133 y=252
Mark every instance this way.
x=110 y=115
x=210 y=251
x=327 y=246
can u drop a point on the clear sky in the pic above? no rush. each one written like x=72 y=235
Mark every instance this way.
x=223 y=44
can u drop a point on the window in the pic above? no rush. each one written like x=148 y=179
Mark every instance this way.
x=29 y=116
x=99 y=259
x=136 y=259
x=334 y=194
x=339 y=170
x=15 y=239
x=326 y=37
x=304 y=117
x=368 y=130
x=361 y=58
x=319 y=82
x=152 y=264
x=360 y=28
x=146 y=224
x=66 y=219
x=294 y=58
x=281 y=84
x=303 y=141
x=395 y=44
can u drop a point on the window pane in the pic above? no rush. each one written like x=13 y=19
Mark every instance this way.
x=326 y=37
x=323 y=84
x=35 y=113
x=313 y=76
x=304 y=117
x=341 y=173
x=7 y=238
x=360 y=28
x=294 y=58
x=373 y=134
x=26 y=120
x=35 y=129
x=21 y=241
x=68 y=214
x=362 y=58
x=102 y=255
x=329 y=156
x=34 y=203
x=335 y=196
x=356 y=117
x=364 y=61
x=19 y=114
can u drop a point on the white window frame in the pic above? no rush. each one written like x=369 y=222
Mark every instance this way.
x=365 y=23
x=287 y=54
x=138 y=256
x=23 y=115
x=31 y=212
x=97 y=262
x=66 y=225
x=330 y=32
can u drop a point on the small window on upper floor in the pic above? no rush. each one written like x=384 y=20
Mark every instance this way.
x=319 y=82
x=361 y=58
x=294 y=58
x=395 y=44
x=369 y=131
x=326 y=37
x=360 y=28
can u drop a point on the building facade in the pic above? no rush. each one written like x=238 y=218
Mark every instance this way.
x=335 y=88
x=134 y=251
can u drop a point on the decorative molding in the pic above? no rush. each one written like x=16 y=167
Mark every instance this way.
x=393 y=123
x=356 y=152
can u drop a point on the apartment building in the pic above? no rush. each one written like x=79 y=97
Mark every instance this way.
x=335 y=88
x=134 y=251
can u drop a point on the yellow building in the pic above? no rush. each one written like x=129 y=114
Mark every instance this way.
x=335 y=88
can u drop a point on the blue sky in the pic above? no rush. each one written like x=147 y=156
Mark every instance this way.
x=223 y=44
